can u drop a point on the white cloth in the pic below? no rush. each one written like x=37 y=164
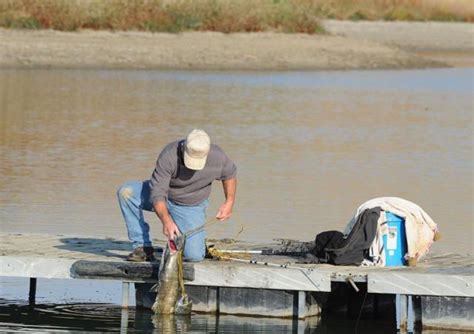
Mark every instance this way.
x=420 y=228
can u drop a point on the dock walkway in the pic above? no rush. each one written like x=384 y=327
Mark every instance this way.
x=447 y=277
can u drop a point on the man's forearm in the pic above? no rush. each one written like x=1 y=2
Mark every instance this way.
x=170 y=230
x=225 y=211
x=161 y=211
x=230 y=187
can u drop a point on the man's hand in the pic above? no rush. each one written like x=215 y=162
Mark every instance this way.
x=224 y=212
x=170 y=230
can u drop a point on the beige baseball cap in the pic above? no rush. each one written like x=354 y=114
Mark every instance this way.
x=196 y=149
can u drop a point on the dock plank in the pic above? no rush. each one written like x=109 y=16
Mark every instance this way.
x=130 y=271
x=232 y=274
x=47 y=256
x=412 y=283
x=22 y=266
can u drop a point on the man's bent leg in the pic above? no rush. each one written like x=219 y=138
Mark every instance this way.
x=188 y=218
x=131 y=204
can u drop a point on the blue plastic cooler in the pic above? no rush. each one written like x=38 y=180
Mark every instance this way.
x=395 y=241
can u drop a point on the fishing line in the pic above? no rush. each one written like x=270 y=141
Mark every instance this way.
x=195 y=230
x=360 y=311
x=208 y=223
x=239 y=233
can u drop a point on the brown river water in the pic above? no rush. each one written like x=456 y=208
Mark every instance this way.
x=310 y=146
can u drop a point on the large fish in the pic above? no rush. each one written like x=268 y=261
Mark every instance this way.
x=171 y=297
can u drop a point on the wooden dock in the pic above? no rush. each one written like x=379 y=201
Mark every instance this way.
x=437 y=293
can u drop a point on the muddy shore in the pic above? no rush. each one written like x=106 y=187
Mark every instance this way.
x=348 y=45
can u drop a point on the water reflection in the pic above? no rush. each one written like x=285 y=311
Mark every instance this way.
x=110 y=318
x=167 y=323
x=73 y=318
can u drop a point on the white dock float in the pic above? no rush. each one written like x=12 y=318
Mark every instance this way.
x=243 y=288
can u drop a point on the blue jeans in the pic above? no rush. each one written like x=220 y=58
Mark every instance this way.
x=134 y=197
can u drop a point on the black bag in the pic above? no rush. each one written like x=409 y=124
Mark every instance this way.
x=327 y=240
x=332 y=247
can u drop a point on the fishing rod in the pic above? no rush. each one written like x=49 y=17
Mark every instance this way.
x=242 y=251
x=305 y=271
x=264 y=251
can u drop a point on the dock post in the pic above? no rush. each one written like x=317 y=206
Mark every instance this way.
x=401 y=309
x=125 y=294
x=301 y=305
x=124 y=321
x=410 y=315
x=32 y=292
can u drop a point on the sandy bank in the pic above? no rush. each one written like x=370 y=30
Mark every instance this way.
x=413 y=36
x=197 y=50
x=451 y=43
x=240 y=51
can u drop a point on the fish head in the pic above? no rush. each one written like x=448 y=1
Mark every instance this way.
x=176 y=244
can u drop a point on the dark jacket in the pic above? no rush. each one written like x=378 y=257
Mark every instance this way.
x=332 y=247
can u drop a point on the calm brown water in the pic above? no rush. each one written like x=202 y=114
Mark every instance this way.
x=310 y=147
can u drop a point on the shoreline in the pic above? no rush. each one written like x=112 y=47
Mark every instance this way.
x=348 y=46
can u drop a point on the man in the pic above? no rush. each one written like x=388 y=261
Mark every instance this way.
x=178 y=193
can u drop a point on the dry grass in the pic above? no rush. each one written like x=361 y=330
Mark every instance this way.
x=220 y=15
x=399 y=10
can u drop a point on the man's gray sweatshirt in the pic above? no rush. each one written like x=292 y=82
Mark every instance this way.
x=172 y=180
